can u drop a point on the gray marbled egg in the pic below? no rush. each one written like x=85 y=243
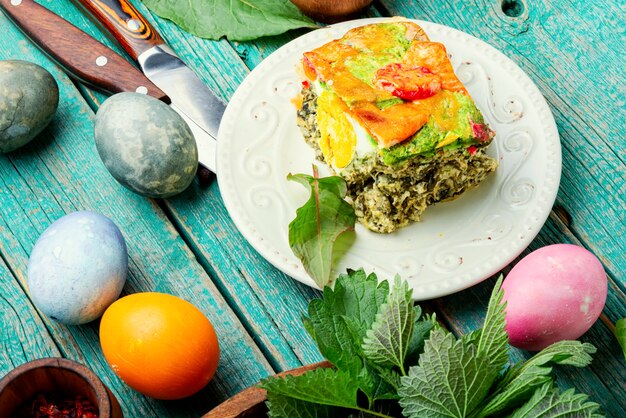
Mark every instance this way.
x=29 y=97
x=145 y=145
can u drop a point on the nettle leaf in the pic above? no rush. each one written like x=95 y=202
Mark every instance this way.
x=515 y=394
x=421 y=331
x=339 y=320
x=567 y=352
x=620 y=333
x=387 y=342
x=519 y=383
x=547 y=402
x=322 y=386
x=333 y=338
x=493 y=340
x=451 y=380
x=391 y=377
x=378 y=384
x=285 y=407
x=238 y=20
x=318 y=224
x=358 y=297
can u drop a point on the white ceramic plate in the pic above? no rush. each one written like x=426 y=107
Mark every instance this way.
x=457 y=244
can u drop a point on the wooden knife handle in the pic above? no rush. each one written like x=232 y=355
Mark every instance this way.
x=129 y=27
x=82 y=56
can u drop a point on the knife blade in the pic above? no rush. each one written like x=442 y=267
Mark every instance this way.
x=93 y=63
x=189 y=95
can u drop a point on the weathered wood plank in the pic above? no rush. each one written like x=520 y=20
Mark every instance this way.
x=60 y=172
x=238 y=271
x=270 y=301
x=24 y=337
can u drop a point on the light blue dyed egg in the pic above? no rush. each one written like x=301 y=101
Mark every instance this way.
x=78 y=267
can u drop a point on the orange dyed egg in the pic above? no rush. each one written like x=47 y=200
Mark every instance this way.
x=159 y=344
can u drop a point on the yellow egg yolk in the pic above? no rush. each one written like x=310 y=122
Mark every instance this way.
x=338 y=139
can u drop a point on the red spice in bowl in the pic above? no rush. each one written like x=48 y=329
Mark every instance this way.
x=45 y=387
x=55 y=405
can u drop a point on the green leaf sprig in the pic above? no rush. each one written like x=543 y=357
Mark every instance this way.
x=238 y=20
x=319 y=222
x=391 y=361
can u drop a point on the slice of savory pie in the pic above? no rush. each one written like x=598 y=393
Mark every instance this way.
x=385 y=111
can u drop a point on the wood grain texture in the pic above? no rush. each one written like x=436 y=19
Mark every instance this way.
x=252 y=290
x=24 y=337
x=130 y=28
x=59 y=173
x=88 y=60
x=604 y=380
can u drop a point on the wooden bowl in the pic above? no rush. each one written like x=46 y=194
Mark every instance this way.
x=55 y=375
x=250 y=403
x=331 y=11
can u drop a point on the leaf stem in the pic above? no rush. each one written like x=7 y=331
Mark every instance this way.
x=402 y=371
x=376 y=414
x=316 y=193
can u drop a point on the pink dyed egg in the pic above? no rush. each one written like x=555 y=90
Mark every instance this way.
x=555 y=293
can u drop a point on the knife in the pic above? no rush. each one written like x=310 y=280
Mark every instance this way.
x=165 y=76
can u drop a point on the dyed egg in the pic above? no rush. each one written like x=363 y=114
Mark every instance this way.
x=145 y=145
x=29 y=97
x=555 y=293
x=78 y=267
x=159 y=344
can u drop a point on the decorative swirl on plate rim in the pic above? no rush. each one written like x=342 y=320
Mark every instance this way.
x=447 y=261
x=267 y=117
x=448 y=258
x=408 y=267
x=286 y=85
x=517 y=191
x=269 y=199
x=365 y=263
x=497 y=226
x=507 y=110
x=465 y=72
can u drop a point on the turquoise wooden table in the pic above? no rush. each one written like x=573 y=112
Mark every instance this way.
x=188 y=245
